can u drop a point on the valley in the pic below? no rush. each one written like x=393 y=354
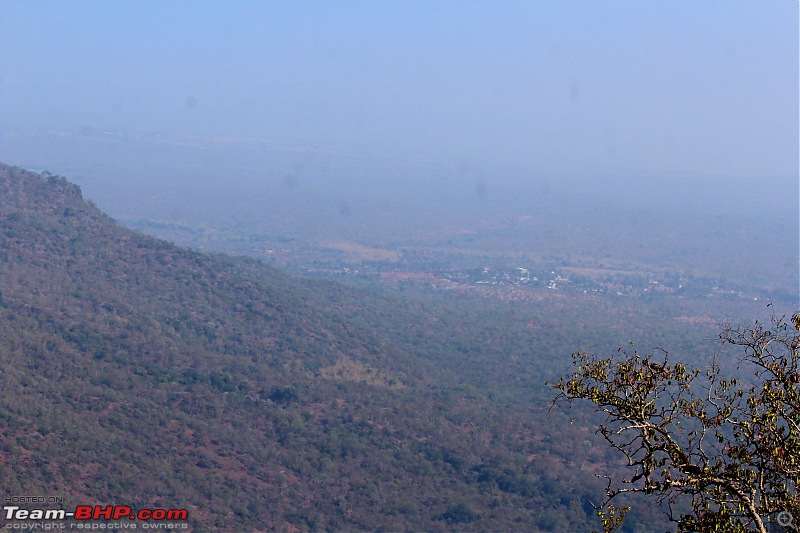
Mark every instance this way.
x=404 y=400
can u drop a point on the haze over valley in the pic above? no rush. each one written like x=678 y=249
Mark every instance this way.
x=367 y=217
x=315 y=266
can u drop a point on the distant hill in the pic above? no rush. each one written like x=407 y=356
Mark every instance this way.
x=138 y=373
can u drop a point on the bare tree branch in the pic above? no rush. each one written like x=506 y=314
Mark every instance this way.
x=732 y=449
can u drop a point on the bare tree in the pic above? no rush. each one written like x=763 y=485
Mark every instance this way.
x=727 y=448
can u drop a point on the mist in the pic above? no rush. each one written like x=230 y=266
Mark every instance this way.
x=563 y=90
x=320 y=265
x=322 y=120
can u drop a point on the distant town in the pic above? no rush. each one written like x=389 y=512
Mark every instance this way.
x=571 y=280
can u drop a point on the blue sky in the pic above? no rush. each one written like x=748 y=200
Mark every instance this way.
x=558 y=88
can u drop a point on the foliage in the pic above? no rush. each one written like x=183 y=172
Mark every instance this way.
x=728 y=447
x=160 y=376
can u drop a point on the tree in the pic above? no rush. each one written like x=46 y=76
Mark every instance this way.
x=727 y=448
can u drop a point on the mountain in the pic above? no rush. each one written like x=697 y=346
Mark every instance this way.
x=135 y=372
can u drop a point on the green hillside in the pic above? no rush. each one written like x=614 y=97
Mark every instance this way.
x=138 y=373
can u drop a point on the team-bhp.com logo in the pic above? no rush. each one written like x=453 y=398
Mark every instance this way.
x=94 y=517
x=96 y=512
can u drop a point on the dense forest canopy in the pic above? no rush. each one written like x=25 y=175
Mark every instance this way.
x=284 y=401
x=306 y=266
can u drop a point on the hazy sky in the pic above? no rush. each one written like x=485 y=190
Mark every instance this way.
x=561 y=87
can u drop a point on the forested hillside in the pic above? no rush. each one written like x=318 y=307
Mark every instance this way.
x=135 y=372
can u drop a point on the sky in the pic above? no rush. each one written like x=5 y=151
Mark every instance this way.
x=555 y=88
